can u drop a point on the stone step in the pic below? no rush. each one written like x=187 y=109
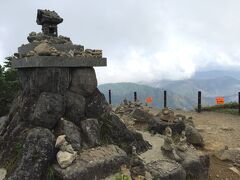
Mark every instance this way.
x=94 y=164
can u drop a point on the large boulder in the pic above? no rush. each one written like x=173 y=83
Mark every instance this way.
x=96 y=105
x=49 y=109
x=75 y=107
x=195 y=163
x=84 y=81
x=140 y=115
x=93 y=164
x=114 y=130
x=37 y=153
x=37 y=80
x=193 y=136
x=91 y=131
x=166 y=170
x=158 y=126
x=71 y=131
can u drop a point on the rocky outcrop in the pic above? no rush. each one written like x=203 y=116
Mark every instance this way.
x=141 y=115
x=37 y=153
x=158 y=126
x=94 y=164
x=3 y=123
x=59 y=96
x=193 y=136
x=71 y=131
x=166 y=170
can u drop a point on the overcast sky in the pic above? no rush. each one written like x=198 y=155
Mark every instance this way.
x=143 y=40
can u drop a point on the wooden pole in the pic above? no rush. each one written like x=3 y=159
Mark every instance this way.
x=239 y=103
x=135 y=96
x=165 y=99
x=199 y=101
x=110 y=96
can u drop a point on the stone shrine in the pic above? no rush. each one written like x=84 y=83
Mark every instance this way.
x=59 y=96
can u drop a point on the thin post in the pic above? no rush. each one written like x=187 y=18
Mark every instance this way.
x=135 y=96
x=239 y=103
x=110 y=96
x=165 y=99
x=199 y=101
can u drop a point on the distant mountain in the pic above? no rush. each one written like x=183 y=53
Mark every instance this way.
x=126 y=90
x=181 y=93
x=221 y=86
x=216 y=74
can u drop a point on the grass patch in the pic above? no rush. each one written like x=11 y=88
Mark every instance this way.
x=228 y=108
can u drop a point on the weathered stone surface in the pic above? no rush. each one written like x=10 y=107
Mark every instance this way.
x=71 y=131
x=37 y=153
x=117 y=132
x=154 y=111
x=158 y=126
x=43 y=49
x=65 y=159
x=75 y=107
x=193 y=136
x=37 y=80
x=49 y=109
x=140 y=115
x=3 y=123
x=3 y=173
x=166 y=170
x=195 y=163
x=53 y=61
x=84 y=81
x=96 y=105
x=91 y=131
x=231 y=154
x=94 y=164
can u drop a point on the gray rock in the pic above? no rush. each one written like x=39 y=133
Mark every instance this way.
x=96 y=105
x=193 y=136
x=37 y=153
x=195 y=163
x=166 y=170
x=231 y=154
x=49 y=109
x=37 y=80
x=3 y=173
x=75 y=107
x=140 y=115
x=94 y=164
x=91 y=130
x=84 y=81
x=114 y=130
x=158 y=126
x=3 y=123
x=71 y=131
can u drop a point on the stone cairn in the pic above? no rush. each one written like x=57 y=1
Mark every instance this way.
x=59 y=99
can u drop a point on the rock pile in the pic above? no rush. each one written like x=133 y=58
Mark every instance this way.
x=59 y=98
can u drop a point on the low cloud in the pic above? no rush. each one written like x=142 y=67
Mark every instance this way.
x=143 y=40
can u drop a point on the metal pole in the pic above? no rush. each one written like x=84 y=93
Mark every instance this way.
x=239 y=103
x=135 y=96
x=199 y=101
x=165 y=99
x=110 y=96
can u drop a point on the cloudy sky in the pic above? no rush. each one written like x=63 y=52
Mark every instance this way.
x=144 y=40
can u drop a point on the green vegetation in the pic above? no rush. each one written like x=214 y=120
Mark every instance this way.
x=50 y=173
x=229 y=108
x=9 y=87
x=121 y=176
x=10 y=165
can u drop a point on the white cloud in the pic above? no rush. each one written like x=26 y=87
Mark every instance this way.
x=143 y=40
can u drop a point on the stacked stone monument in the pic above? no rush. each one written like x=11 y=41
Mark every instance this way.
x=59 y=96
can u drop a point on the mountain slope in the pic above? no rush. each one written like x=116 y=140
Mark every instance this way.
x=126 y=90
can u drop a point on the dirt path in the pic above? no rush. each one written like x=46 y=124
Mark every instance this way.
x=218 y=129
